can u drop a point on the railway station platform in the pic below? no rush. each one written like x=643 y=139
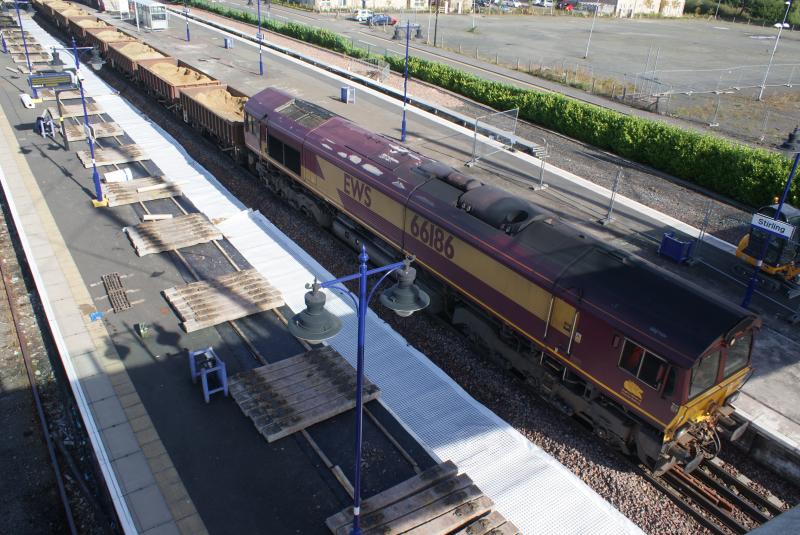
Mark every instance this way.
x=767 y=400
x=176 y=464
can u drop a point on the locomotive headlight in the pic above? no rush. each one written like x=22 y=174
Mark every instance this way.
x=680 y=432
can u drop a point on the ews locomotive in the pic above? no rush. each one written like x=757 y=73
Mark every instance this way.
x=651 y=362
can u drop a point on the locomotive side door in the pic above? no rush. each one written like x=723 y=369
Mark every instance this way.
x=262 y=139
x=561 y=325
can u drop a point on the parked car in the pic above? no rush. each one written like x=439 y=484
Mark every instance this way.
x=567 y=5
x=542 y=3
x=381 y=19
x=361 y=15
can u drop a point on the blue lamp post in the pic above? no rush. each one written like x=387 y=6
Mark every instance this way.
x=259 y=37
x=24 y=41
x=405 y=85
x=98 y=190
x=316 y=324
x=186 y=15
x=790 y=146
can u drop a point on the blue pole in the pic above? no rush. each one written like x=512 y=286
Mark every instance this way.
x=362 y=316
x=186 y=14
x=24 y=41
x=3 y=40
x=98 y=190
x=260 y=61
x=405 y=85
x=751 y=287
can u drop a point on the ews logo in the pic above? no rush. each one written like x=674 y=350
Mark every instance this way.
x=356 y=189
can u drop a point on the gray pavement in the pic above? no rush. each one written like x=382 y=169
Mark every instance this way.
x=632 y=230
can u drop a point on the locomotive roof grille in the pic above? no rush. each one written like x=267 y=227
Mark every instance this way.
x=305 y=113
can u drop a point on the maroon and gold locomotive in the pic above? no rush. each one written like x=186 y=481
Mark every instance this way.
x=649 y=361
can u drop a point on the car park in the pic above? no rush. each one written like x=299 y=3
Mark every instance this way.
x=381 y=19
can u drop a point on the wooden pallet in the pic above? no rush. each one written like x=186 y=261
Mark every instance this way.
x=295 y=393
x=49 y=94
x=20 y=48
x=66 y=111
x=435 y=502
x=76 y=132
x=211 y=302
x=113 y=155
x=155 y=187
x=153 y=237
x=35 y=57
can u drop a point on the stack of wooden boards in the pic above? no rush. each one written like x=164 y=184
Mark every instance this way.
x=210 y=302
x=438 y=501
x=295 y=393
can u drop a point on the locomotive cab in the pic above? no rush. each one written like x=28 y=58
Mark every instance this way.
x=702 y=401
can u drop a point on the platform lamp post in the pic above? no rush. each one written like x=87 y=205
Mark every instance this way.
x=315 y=324
x=259 y=37
x=98 y=190
x=186 y=15
x=781 y=26
x=405 y=85
x=789 y=147
x=24 y=41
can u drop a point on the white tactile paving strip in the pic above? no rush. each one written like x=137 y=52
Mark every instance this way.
x=527 y=485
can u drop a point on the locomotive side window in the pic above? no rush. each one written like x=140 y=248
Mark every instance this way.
x=291 y=159
x=704 y=374
x=642 y=364
x=275 y=148
x=738 y=354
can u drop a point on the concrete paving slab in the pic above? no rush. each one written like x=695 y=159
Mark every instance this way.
x=119 y=441
x=69 y=321
x=149 y=508
x=86 y=364
x=108 y=413
x=78 y=344
x=170 y=528
x=97 y=387
x=133 y=472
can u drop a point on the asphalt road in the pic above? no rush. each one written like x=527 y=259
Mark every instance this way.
x=687 y=54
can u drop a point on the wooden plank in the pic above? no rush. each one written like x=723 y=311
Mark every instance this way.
x=197 y=296
x=450 y=520
x=279 y=429
x=429 y=477
x=252 y=299
x=67 y=111
x=76 y=132
x=454 y=490
x=485 y=525
x=113 y=155
x=191 y=325
x=122 y=193
x=49 y=94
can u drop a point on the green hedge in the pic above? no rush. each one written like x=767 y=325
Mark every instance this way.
x=748 y=175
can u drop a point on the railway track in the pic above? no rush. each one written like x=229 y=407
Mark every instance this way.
x=722 y=501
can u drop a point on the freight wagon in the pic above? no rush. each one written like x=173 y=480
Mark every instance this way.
x=166 y=77
x=100 y=38
x=125 y=56
x=218 y=112
x=77 y=26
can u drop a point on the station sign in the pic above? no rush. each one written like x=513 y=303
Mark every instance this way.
x=773 y=226
x=52 y=79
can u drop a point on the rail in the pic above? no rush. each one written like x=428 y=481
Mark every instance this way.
x=721 y=501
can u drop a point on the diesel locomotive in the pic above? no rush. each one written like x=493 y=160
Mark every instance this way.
x=649 y=361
